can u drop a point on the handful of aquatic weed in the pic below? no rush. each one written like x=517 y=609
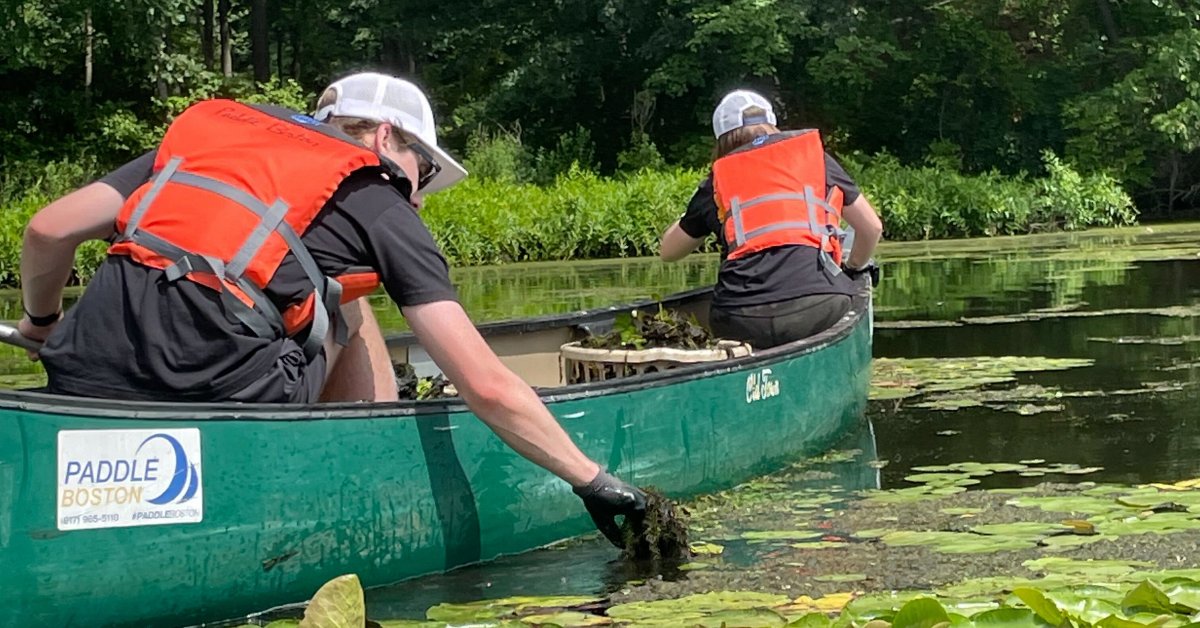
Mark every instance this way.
x=663 y=534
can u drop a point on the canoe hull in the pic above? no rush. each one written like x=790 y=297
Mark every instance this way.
x=293 y=498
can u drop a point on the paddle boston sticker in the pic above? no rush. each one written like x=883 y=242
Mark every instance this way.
x=119 y=478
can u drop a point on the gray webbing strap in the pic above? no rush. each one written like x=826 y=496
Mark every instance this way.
x=160 y=180
x=813 y=201
x=266 y=323
x=779 y=226
x=321 y=312
x=230 y=192
x=265 y=227
x=739 y=229
x=767 y=198
x=333 y=303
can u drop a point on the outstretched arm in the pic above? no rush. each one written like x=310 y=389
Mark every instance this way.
x=494 y=393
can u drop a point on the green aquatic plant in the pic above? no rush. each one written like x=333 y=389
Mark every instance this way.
x=643 y=329
x=662 y=535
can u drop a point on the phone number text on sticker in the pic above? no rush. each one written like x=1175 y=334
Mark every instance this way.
x=118 y=478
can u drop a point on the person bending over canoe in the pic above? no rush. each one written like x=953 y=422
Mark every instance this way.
x=240 y=252
x=774 y=199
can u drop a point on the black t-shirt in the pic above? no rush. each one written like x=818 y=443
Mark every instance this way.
x=134 y=335
x=771 y=275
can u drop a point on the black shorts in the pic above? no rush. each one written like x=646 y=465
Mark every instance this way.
x=774 y=324
x=292 y=379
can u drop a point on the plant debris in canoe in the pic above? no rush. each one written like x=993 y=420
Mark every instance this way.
x=663 y=535
x=642 y=329
x=412 y=387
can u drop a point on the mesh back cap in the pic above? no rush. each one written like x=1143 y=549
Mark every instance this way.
x=383 y=98
x=730 y=113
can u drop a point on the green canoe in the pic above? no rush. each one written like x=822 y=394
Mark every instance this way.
x=132 y=513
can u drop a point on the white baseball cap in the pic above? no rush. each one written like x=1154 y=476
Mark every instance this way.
x=383 y=98
x=730 y=114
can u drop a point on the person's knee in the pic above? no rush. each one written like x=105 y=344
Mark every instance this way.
x=352 y=315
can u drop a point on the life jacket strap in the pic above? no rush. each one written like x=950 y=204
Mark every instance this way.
x=263 y=321
x=811 y=201
x=269 y=322
x=160 y=180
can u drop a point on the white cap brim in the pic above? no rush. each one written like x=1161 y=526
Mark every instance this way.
x=452 y=172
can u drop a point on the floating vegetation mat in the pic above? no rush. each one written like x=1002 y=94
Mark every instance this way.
x=1079 y=555
x=955 y=383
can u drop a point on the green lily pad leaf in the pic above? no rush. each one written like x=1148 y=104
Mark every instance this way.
x=566 y=619
x=1113 y=621
x=780 y=535
x=1067 y=543
x=410 y=623
x=961 y=511
x=935 y=478
x=336 y=604
x=1023 y=529
x=695 y=565
x=750 y=618
x=284 y=623
x=812 y=545
x=935 y=468
x=1008 y=618
x=843 y=577
x=697 y=605
x=873 y=533
x=985 y=545
x=1146 y=598
x=1032 y=461
x=1183 y=593
x=948 y=490
x=923 y=612
x=810 y=620
x=1047 y=610
x=700 y=547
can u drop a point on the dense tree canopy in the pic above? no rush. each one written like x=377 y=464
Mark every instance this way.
x=1110 y=85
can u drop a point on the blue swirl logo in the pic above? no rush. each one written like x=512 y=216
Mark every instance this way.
x=185 y=479
x=303 y=119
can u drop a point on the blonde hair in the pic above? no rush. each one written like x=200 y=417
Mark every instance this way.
x=742 y=135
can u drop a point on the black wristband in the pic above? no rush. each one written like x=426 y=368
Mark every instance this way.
x=43 y=321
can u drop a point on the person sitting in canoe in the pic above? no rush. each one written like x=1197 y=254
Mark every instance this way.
x=241 y=250
x=775 y=201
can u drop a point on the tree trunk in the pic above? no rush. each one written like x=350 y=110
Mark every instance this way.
x=226 y=38
x=206 y=33
x=260 y=43
x=279 y=54
x=296 y=50
x=88 y=48
x=1106 y=18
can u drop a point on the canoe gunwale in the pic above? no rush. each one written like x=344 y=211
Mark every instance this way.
x=46 y=403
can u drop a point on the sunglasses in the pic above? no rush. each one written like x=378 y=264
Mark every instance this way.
x=427 y=166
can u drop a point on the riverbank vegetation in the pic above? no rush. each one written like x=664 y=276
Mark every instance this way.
x=587 y=125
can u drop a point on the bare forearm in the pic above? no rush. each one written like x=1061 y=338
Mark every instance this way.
x=524 y=424
x=864 y=248
x=46 y=266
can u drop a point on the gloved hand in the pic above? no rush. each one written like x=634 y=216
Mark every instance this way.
x=607 y=496
x=871 y=270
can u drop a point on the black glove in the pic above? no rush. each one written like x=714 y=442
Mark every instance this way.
x=606 y=497
x=871 y=270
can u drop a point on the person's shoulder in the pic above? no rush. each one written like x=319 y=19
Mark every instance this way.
x=368 y=193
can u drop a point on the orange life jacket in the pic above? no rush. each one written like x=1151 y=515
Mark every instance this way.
x=773 y=194
x=235 y=188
